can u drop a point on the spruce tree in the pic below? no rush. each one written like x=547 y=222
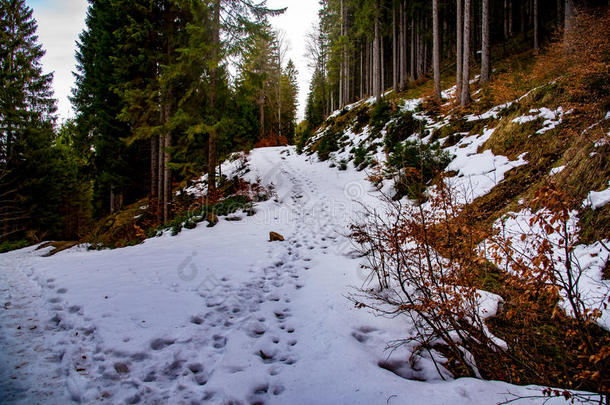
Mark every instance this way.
x=26 y=97
x=27 y=117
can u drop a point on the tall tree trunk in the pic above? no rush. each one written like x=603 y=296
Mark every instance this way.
x=154 y=163
x=394 y=51
x=403 y=47
x=505 y=20
x=361 y=71
x=569 y=16
x=213 y=91
x=279 y=97
x=376 y=57
x=559 y=13
x=465 y=96
x=536 y=28
x=347 y=85
x=485 y=51
x=436 y=57
x=342 y=63
x=160 y=172
x=261 y=114
x=112 y=199
x=459 y=49
x=413 y=78
x=510 y=19
x=167 y=179
x=381 y=63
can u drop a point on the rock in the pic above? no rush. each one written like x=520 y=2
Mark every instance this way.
x=212 y=219
x=121 y=368
x=274 y=236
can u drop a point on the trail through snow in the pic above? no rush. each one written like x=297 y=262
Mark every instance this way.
x=218 y=315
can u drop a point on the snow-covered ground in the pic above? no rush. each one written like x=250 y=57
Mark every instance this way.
x=219 y=315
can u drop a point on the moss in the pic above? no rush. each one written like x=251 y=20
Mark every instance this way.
x=402 y=128
x=9 y=245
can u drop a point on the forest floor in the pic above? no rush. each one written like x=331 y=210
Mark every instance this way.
x=220 y=315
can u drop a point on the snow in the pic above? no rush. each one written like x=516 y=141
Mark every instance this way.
x=492 y=113
x=587 y=259
x=557 y=170
x=478 y=173
x=219 y=314
x=597 y=199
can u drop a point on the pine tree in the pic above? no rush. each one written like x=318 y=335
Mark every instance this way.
x=98 y=104
x=26 y=121
x=42 y=189
x=26 y=99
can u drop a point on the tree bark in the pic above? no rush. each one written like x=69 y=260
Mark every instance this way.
x=403 y=47
x=261 y=114
x=536 y=28
x=505 y=20
x=436 y=57
x=342 y=63
x=485 y=51
x=376 y=57
x=160 y=173
x=394 y=51
x=569 y=15
x=213 y=90
x=381 y=63
x=413 y=78
x=459 y=48
x=465 y=96
x=510 y=18
x=167 y=179
x=154 y=163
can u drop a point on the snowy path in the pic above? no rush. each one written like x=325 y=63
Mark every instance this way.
x=216 y=315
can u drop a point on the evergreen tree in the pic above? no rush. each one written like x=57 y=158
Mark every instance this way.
x=98 y=105
x=44 y=193
x=26 y=98
x=26 y=122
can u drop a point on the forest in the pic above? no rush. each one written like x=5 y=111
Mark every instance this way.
x=364 y=48
x=438 y=210
x=156 y=105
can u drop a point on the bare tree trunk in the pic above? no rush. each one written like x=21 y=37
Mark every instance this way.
x=569 y=15
x=460 y=49
x=510 y=18
x=341 y=65
x=413 y=48
x=394 y=51
x=505 y=20
x=160 y=172
x=403 y=47
x=536 y=28
x=381 y=63
x=485 y=51
x=154 y=173
x=347 y=76
x=261 y=114
x=213 y=90
x=376 y=59
x=112 y=199
x=420 y=49
x=559 y=13
x=279 y=97
x=465 y=96
x=436 y=57
x=361 y=71
x=167 y=177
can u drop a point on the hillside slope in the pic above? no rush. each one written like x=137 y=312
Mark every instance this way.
x=219 y=315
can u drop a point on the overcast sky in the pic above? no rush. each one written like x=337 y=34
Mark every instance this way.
x=60 y=22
